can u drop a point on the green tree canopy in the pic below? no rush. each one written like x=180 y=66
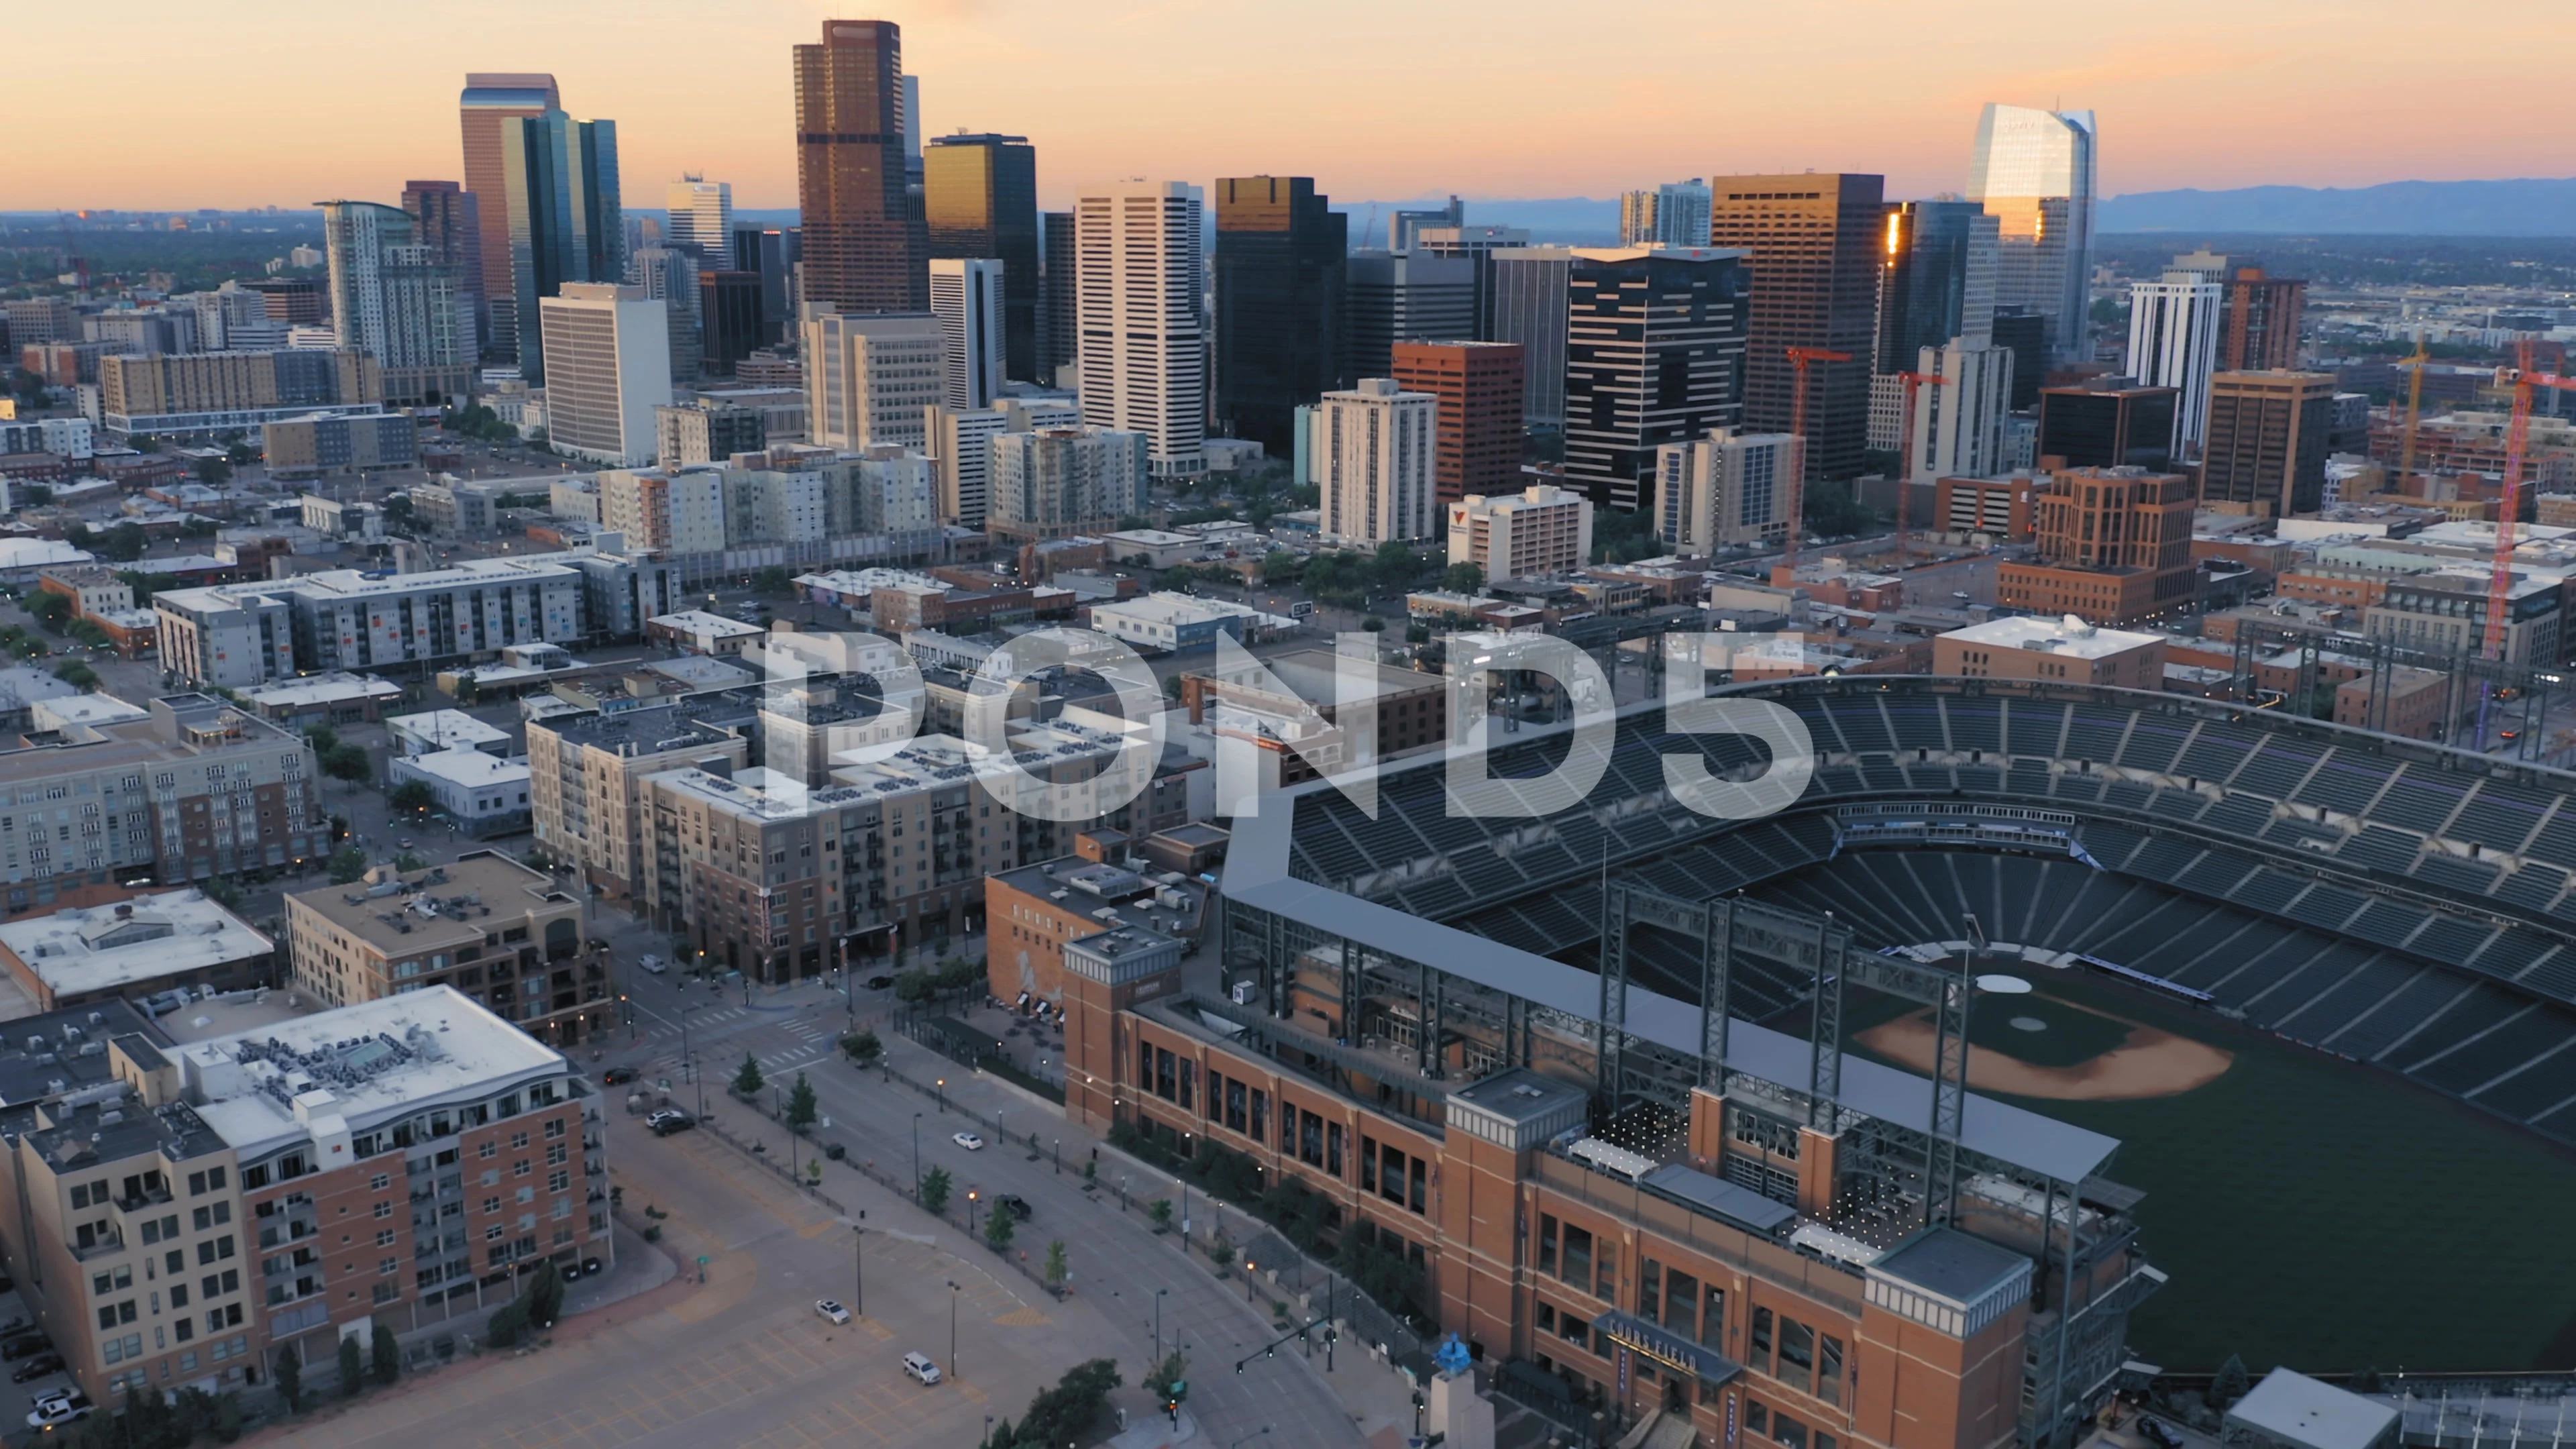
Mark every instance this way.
x=934 y=1191
x=747 y=1078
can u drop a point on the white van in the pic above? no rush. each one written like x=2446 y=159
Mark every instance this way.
x=920 y=1367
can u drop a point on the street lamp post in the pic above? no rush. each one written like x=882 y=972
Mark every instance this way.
x=1158 y=1324
x=952 y=1328
x=916 y=1157
x=859 y=1269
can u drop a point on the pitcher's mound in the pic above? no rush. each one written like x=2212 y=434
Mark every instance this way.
x=2023 y=1049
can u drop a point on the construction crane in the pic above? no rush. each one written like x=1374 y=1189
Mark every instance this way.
x=1799 y=357
x=1914 y=382
x=2508 y=515
x=2414 y=409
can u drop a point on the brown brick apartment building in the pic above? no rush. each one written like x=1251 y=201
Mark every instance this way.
x=2113 y=547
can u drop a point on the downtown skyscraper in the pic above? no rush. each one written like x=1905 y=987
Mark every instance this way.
x=980 y=194
x=489 y=99
x=546 y=201
x=1654 y=354
x=866 y=250
x=1280 y=256
x=2033 y=170
x=700 y=220
x=396 y=298
x=1140 y=270
x=1815 y=244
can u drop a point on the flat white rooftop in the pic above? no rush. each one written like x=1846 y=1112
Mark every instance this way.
x=2069 y=637
x=83 y=709
x=1179 y=609
x=445 y=729
x=84 y=950
x=699 y=621
x=468 y=767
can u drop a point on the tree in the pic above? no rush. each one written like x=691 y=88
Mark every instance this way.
x=353 y=1366
x=1395 y=563
x=747 y=1080
x=1066 y=1412
x=934 y=1191
x=407 y=862
x=388 y=1355
x=35 y=495
x=1161 y=1380
x=468 y=690
x=956 y=974
x=323 y=738
x=290 y=1379
x=241 y=454
x=862 y=1047
x=413 y=796
x=545 y=1293
x=1000 y=1226
x=773 y=580
x=399 y=515
x=124 y=543
x=2230 y=1385
x=914 y=987
x=1159 y=1213
x=800 y=1104
x=214 y=472
x=1003 y=1435
x=76 y=674
x=1463 y=578
x=1056 y=1271
x=348 y=863
x=1373 y=624
x=347 y=762
x=51 y=609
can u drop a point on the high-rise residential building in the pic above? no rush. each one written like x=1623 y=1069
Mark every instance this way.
x=1404 y=228
x=1815 y=242
x=205 y=393
x=968 y=296
x=2033 y=170
x=1054 y=482
x=1675 y=214
x=1938 y=279
x=1477 y=427
x=1959 y=423
x=2267 y=442
x=1392 y=297
x=611 y=346
x=1279 y=276
x=669 y=276
x=489 y=99
x=2122 y=425
x=729 y=312
x=1654 y=354
x=670 y=513
x=2113 y=546
x=866 y=248
x=868 y=376
x=448 y=219
x=960 y=447
x=1059 y=334
x=1539 y=531
x=2173 y=342
x=1724 y=489
x=1142 y=274
x=560 y=206
x=1476 y=245
x=2263 y=318
x=1373 y=453
x=701 y=220
x=980 y=194
x=392 y=298
x=1529 y=294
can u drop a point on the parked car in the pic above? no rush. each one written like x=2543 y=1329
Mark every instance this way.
x=835 y=1151
x=1016 y=1205
x=2156 y=1429
x=879 y=983
x=919 y=1366
x=18 y=1348
x=830 y=1311
x=654 y=965
x=968 y=1140
x=37 y=1367
x=616 y=1076
x=59 y=1408
x=590 y=1267
x=670 y=1120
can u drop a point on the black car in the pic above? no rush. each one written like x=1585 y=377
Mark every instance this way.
x=1016 y=1205
x=37 y=1367
x=879 y=983
x=2155 y=1429
x=18 y=1348
x=835 y=1151
x=616 y=1076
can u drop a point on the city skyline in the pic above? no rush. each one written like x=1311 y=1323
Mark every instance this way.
x=2279 y=104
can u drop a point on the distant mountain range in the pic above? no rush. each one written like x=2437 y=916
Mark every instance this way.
x=2539 y=207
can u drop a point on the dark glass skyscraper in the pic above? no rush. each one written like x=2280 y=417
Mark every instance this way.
x=559 y=186
x=1280 y=251
x=1816 y=243
x=1654 y=354
x=1936 y=279
x=448 y=219
x=1059 y=336
x=866 y=250
x=980 y=193
x=489 y=100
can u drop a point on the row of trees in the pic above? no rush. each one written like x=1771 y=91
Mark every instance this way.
x=1063 y=1413
x=154 y=1420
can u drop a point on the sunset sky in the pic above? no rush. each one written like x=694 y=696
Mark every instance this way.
x=162 y=104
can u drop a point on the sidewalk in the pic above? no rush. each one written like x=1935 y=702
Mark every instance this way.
x=1377 y=1394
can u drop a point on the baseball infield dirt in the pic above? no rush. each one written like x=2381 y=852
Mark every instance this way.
x=2147 y=1063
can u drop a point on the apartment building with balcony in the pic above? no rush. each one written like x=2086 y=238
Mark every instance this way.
x=586 y=774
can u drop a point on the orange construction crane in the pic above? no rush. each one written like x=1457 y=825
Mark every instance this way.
x=1799 y=357
x=2414 y=409
x=1914 y=382
x=2509 y=506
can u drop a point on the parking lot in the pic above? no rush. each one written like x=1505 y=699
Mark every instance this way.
x=24 y=1348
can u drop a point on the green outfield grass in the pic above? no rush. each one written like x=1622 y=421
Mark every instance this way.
x=2322 y=1215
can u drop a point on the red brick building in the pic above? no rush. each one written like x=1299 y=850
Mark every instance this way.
x=1476 y=427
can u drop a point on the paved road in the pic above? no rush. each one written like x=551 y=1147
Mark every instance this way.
x=1118 y=1263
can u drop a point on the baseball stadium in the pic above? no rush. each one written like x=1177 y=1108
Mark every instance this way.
x=2317 y=987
